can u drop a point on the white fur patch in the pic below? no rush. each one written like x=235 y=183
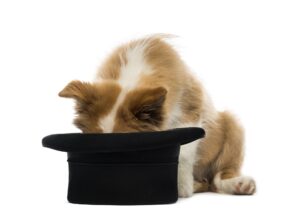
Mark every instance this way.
x=135 y=67
x=174 y=116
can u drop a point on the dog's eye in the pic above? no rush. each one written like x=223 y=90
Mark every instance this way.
x=150 y=115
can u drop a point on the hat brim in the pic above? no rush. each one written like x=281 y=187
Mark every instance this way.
x=116 y=142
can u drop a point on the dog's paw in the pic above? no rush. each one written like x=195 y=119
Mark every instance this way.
x=185 y=192
x=185 y=188
x=244 y=186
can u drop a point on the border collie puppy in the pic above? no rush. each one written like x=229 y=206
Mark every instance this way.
x=145 y=86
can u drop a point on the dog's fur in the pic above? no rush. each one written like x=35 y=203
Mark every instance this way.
x=145 y=86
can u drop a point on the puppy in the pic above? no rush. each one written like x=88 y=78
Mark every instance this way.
x=145 y=86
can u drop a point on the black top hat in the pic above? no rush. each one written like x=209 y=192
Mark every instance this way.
x=123 y=168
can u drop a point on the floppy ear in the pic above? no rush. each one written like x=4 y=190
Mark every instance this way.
x=147 y=105
x=77 y=90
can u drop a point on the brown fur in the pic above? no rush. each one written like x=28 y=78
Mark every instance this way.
x=111 y=69
x=92 y=102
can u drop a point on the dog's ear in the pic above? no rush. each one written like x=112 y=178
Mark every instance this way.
x=147 y=104
x=77 y=90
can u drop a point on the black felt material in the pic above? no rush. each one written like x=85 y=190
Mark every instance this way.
x=123 y=168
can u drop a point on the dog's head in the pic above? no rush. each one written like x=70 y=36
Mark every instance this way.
x=105 y=107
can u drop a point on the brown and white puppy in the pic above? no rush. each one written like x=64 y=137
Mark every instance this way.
x=145 y=86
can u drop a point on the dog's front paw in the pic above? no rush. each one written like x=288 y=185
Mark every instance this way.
x=185 y=190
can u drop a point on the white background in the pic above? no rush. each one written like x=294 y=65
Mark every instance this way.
x=246 y=52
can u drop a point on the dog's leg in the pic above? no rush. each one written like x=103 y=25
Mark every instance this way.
x=227 y=178
x=185 y=179
x=185 y=169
